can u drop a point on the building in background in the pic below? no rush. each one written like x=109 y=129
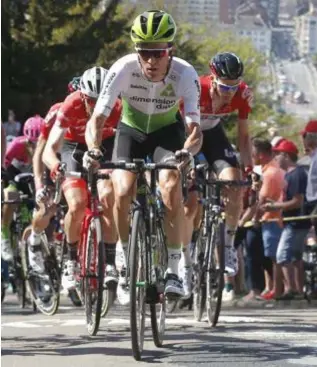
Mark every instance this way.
x=196 y=12
x=227 y=10
x=306 y=30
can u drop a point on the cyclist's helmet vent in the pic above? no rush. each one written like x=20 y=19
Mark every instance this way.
x=92 y=81
x=227 y=65
x=32 y=128
x=153 y=26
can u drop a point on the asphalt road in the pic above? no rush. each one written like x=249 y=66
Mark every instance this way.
x=306 y=81
x=244 y=337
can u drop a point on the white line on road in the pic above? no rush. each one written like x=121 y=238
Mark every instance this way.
x=120 y=321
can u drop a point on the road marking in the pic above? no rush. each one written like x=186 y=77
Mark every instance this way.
x=20 y=324
x=179 y=321
x=310 y=361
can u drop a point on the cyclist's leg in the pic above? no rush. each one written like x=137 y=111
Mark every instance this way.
x=220 y=154
x=129 y=144
x=75 y=192
x=41 y=219
x=10 y=193
x=166 y=141
x=106 y=196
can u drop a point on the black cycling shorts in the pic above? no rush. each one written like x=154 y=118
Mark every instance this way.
x=159 y=145
x=11 y=172
x=218 y=150
x=72 y=153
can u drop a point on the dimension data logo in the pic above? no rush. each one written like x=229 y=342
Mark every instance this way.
x=168 y=91
x=160 y=103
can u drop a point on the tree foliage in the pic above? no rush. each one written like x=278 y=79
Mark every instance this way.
x=47 y=42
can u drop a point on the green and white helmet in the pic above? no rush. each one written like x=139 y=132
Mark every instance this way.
x=153 y=26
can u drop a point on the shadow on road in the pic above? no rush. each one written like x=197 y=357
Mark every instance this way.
x=181 y=344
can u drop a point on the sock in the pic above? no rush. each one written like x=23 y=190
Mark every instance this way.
x=228 y=287
x=110 y=250
x=186 y=256
x=72 y=250
x=34 y=240
x=5 y=232
x=120 y=257
x=230 y=233
x=174 y=255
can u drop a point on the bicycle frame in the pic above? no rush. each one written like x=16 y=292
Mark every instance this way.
x=92 y=211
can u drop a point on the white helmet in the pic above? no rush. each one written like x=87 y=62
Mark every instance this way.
x=92 y=81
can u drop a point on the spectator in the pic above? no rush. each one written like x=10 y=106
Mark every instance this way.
x=310 y=144
x=3 y=145
x=271 y=190
x=291 y=244
x=276 y=141
x=12 y=127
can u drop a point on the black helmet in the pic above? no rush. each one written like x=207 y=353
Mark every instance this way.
x=227 y=65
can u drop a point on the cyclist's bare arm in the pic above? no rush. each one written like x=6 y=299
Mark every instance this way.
x=195 y=139
x=244 y=142
x=53 y=145
x=93 y=133
x=38 y=166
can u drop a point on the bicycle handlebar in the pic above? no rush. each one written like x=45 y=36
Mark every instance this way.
x=137 y=165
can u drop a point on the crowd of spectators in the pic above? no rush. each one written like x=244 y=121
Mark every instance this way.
x=273 y=228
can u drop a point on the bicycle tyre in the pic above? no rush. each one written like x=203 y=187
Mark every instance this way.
x=74 y=297
x=95 y=256
x=137 y=294
x=214 y=271
x=199 y=291
x=109 y=297
x=19 y=282
x=158 y=324
x=50 y=307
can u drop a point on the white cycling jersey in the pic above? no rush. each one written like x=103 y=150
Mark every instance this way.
x=149 y=106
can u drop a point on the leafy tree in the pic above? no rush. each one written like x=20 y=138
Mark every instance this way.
x=48 y=42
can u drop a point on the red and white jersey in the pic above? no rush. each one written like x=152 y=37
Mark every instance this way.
x=73 y=117
x=50 y=119
x=241 y=102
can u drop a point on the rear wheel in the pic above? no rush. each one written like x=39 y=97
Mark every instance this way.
x=199 y=291
x=74 y=297
x=215 y=274
x=137 y=284
x=159 y=254
x=43 y=288
x=93 y=280
x=17 y=276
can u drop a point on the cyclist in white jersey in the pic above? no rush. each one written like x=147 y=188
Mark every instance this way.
x=151 y=83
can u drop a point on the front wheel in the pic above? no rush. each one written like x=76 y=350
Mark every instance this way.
x=94 y=275
x=43 y=288
x=215 y=273
x=137 y=273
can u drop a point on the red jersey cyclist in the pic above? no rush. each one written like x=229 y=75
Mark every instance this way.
x=69 y=131
x=223 y=92
x=42 y=216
